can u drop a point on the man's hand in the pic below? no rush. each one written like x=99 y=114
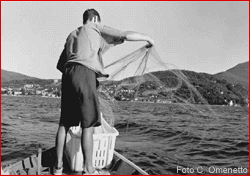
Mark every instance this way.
x=118 y=41
x=150 y=43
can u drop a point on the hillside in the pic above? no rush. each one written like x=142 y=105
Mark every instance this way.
x=237 y=75
x=209 y=86
x=215 y=90
x=17 y=80
x=10 y=76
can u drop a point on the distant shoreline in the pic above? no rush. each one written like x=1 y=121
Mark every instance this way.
x=28 y=96
x=148 y=102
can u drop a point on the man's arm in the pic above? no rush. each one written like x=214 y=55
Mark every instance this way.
x=135 y=36
x=121 y=36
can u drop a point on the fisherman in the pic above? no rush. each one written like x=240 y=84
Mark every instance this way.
x=81 y=64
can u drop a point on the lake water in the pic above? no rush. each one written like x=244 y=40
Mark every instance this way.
x=161 y=138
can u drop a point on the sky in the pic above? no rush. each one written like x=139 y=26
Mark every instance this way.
x=205 y=37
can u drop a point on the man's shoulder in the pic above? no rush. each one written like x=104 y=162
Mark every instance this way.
x=75 y=32
x=95 y=27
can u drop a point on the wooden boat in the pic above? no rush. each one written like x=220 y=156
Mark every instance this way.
x=42 y=164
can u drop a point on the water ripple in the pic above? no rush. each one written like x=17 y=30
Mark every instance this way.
x=157 y=137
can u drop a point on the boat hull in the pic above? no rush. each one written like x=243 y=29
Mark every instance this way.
x=43 y=162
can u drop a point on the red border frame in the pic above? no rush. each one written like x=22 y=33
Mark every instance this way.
x=125 y=0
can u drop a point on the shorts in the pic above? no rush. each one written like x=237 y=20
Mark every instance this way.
x=79 y=101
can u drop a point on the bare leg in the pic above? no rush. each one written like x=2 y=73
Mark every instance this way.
x=60 y=141
x=87 y=147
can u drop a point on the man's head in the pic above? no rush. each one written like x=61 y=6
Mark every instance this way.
x=91 y=15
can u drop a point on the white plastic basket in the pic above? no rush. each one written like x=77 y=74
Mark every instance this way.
x=104 y=144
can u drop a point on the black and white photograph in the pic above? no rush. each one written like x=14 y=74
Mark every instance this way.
x=124 y=87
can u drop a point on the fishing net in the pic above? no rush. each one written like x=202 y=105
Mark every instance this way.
x=143 y=76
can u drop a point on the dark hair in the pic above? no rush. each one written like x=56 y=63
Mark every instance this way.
x=89 y=14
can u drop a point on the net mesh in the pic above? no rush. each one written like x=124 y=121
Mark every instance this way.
x=143 y=76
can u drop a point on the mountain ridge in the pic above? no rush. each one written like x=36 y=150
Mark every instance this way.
x=235 y=75
x=7 y=76
x=238 y=74
x=217 y=91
